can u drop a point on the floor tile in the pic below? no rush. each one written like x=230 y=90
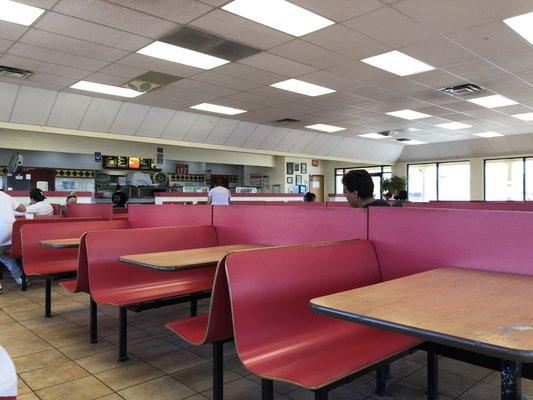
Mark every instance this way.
x=164 y=388
x=81 y=389
x=85 y=349
x=176 y=360
x=46 y=377
x=200 y=378
x=129 y=373
x=45 y=359
x=449 y=384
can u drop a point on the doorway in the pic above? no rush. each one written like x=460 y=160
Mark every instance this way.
x=316 y=186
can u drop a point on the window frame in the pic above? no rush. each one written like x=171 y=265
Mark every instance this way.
x=346 y=169
x=524 y=178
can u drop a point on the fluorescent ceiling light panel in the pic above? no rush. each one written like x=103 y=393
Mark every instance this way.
x=454 y=125
x=524 y=116
x=218 y=109
x=523 y=25
x=373 y=136
x=297 y=86
x=325 y=128
x=413 y=142
x=398 y=63
x=493 y=101
x=181 y=55
x=408 y=114
x=488 y=134
x=18 y=13
x=279 y=14
x=106 y=89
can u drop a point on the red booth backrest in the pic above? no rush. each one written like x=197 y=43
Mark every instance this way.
x=287 y=225
x=104 y=249
x=281 y=281
x=90 y=210
x=477 y=205
x=148 y=216
x=412 y=240
x=34 y=255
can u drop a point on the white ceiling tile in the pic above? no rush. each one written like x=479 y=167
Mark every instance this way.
x=444 y=16
x=308 y=53
x=221 y=131
x=522 y=144
x=100 y=115
x=115 y=16
x=128 y=118
x=156 y=99
x=31 y=83
x=201 y=128
x=279 y=65
x=516 y=62
x=253 y=99
x=240 y=134
x=85 y=30
x=56 y=57
x=345 y=41
x=67 y=44
x=504 y=9
x=8 y=94
x=318 y=142
x=330 y=80
x=106 y=79
x=5 y=44
x=439 y=52
x=330 y=145
x=289 y=140
x=461 y=149
x=248 y=73
x=277 y=94
x=501 y=145
x=339 y=10
x=124 y=71
x=179 y=125
x=33 y=106
x=181 y=11
x=390 y=27
x=240 y=29
x=475 y=71
x=360 y=71
x=155 y=122
x=258 y=136
x=274 y=138
x=214 y=3
x=202 y=87
x=184 y=94
x=11 y=31
x=481 y=147
x=68 y=110
x=437 y=79
x=155 y=64
x=226 y=81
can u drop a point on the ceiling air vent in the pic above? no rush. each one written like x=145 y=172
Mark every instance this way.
x=462 y=90
x=287 y=121
x=150 y=80
x=11 y=72
x=403 y=140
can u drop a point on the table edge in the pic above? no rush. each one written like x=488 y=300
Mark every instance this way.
x=505 y=353
x=163 y=268
x=46 y=243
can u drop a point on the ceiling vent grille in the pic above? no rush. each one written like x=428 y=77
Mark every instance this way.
x=288 y=121
x=11 y=72
x=461 y=90
x=150 y=80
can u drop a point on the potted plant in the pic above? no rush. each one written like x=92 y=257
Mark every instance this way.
x=393 y=185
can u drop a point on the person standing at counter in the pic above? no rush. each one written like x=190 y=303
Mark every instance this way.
x=8 y=206
x=38 y=206
x=219 y=196
x=119 y=198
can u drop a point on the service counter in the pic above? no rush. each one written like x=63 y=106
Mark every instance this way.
x=175 y=197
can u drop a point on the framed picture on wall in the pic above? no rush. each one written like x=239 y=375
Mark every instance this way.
x=298 y=179
x=303 y=168
x=290 y=168
x=296 y=167
x=290 y=180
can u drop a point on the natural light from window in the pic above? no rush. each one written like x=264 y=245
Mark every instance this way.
x=504 y=179
x=454 y=181
x=422 y=182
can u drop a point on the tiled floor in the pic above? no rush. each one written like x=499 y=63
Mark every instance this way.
x=55 y=361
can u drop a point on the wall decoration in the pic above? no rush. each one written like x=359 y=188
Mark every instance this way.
x=303 y=168
x=290 y=168
x=298 y=179
x=290 y=180
x=296 y=167
x=182 y=169
x=314 y=163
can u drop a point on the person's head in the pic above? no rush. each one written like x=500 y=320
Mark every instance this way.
x=402 y=195
x=72 y=198
x=119 y=187
x=309 y=197
x=36 y=195
x=388 y=196
x=358 y=187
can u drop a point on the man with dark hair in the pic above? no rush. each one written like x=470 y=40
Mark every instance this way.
x=309 y=197
x=401 y=198
x=119 y=198
x=359 y=190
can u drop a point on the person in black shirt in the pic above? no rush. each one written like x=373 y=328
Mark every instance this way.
x=359 y=190
x=401 y=198
x=119 y=198
x=309 y=197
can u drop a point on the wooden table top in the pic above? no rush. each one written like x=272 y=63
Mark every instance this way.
x=185 y=259
x=61 y=243
x=480 y=311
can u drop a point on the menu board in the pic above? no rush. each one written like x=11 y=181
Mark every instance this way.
x=134 y=163
x=120 y=162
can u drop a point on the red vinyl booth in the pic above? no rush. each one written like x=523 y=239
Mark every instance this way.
x=90 y=210
x=146 y=216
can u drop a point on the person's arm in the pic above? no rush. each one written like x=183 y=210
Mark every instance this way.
x=209 y=199
x=229 y=196
x=21 y=208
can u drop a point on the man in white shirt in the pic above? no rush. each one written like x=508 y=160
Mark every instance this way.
x=37 y=204
x=8 y=376
x=219 y=196
x=8 y=206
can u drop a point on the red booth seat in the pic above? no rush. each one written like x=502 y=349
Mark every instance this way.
x=279 y=337
x=114 y=282
x=90 y=210
x=147 y=216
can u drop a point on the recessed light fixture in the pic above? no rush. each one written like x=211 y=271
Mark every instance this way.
x=373 y=136
x=493 y=101
x=18 y=13
x=524 y=116
x=523 y=25
x=181 y=55
x=454 y=125
x=106 y=89
x=218 y=109
x=408 y=114
x=398 y=63
x=297 y=86
x=413 y=142
x=279 y=14
x=488 y=134
x=325 y=128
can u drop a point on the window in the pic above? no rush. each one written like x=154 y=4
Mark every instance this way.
x=454 y=181
x=504 y=179
x=422 y=182
x=377 y=173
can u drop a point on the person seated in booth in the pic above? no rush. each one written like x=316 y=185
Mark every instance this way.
x=401 y=198
x=359 y=190
x=309 y=197
x=38 y=206
x=8 y=206
x=119 y=198
x=8 y=377
x=219 y=196
x=71 y=199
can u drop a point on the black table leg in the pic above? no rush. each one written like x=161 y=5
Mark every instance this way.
x=433 y=373
x=511 y=380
